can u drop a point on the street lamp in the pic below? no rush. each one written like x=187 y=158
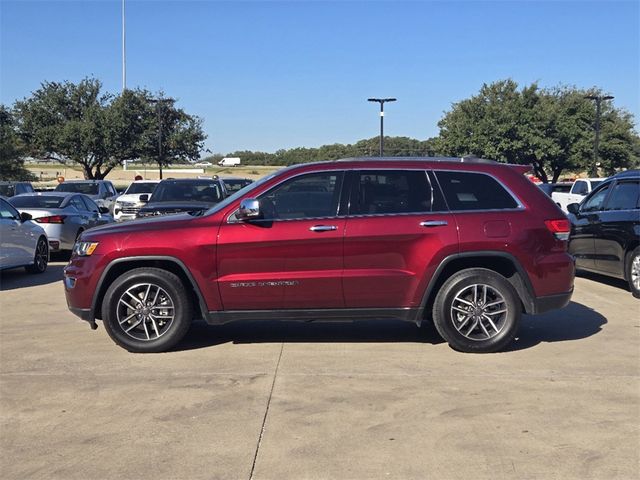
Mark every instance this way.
x=159 y=102
x=381 y=101
x=598 y=99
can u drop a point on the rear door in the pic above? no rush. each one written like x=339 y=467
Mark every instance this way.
x=292 y=258
x=618 y=223
x=397 y=232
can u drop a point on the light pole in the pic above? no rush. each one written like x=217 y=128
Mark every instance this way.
x=381 y=101
x=159 y=102
x=598 y=99
x=124 y=52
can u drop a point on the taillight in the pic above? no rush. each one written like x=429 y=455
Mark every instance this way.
x=559 y=228
x=51 y=219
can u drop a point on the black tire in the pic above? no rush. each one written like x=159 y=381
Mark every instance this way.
x=633 y=272
x=492 y=294
x=148 y=332
x=40 y=257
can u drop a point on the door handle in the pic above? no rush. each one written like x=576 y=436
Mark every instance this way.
x=323 y=228
x=434 y=223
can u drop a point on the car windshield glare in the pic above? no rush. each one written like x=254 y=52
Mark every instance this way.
x=36 y=201
x=146 y=187
x=86 y=188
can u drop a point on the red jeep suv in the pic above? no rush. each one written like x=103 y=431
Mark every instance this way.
x=467 y=243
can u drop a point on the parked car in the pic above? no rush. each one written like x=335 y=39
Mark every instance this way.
x=64 y=216
x=10 y=188
x=233 y=184
x=203 y=164
x=580 y=189
x=101 y=192
x=183 y=195
x=22 y=242
x=128 y=204
x=560 y=187
x=605 y=229
x=468 y=244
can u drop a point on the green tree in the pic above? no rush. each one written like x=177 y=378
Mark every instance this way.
x=78 y=123
x=551 y=129
x=11 y=151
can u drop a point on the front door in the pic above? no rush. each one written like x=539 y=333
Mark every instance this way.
x=584 y=228
x=291 y=258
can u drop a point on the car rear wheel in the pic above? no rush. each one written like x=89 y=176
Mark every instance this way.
x=477 y=311
x=633 y=272
x=147 y=310
x=40 y=258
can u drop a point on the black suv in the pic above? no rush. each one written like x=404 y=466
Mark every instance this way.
x=183 y=195
x=10 y=189
x=605 y=229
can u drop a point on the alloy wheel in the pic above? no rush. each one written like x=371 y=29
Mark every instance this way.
x=42 y=256
x=479 y=312
x=145 y=311
x=635 y=272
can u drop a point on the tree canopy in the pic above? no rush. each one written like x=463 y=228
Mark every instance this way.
x=78 y=123
x=551 y=129
x=11 y=150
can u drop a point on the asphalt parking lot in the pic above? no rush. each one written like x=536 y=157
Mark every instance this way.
x=304 y=401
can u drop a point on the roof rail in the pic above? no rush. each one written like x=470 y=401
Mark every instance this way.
x=466 y=159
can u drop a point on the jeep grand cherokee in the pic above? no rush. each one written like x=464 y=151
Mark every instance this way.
x=468 y=244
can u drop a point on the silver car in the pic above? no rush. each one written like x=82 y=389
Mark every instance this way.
x=100 y=191
x=22 y=242
x=64 y=216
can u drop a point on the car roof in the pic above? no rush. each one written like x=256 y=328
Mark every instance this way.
x=85 y=181
x=147 y=181
x=48 y=193
x=627 y=174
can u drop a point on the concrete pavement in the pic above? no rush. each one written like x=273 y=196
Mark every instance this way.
x=350 y=401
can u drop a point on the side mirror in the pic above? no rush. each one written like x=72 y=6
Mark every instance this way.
x=25 y=217
x=249 y=209
x=103 y=209
x=573 y=208
x=144 y=198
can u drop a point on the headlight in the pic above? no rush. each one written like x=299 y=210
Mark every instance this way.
x=84 y=249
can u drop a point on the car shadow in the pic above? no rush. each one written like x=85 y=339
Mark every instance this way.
x=573 y=322
x=611 y=281
x=202 y=335
x=18 y=278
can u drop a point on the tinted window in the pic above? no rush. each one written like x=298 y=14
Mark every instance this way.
x=37 y=201
x=91 y=205
x=474 y=191
x=395 y=191
x=595 y=202
x=145 y=187
x=307 y=196
x=86 y=188
x=77 y=202
x=197 y=191
x=235 y=185
x=624 y=196
x=7 y=190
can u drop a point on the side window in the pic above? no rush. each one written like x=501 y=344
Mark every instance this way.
x=392 y=191
x=624 y=196
x=474 y=191
x=595 y=202
x=77 y=202
x=308 y=196
x=112 y=189
x=580 y=188
x=7 y=211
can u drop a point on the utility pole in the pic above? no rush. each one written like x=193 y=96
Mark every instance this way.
x=159 y=102
x=124 y=51
x=381 y=101
x=598 y=99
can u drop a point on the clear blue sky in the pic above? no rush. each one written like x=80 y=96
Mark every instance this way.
x=268 y=75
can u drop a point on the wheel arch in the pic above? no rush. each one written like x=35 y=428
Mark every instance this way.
x=500 y=262
x=119 y=266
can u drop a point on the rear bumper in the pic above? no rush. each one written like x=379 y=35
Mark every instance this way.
x=552 y=302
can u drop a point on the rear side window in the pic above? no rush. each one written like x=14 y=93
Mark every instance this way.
x=392 y=191
x=474 y=191
x=624 y=196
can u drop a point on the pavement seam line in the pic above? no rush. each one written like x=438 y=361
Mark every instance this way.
x=266 y=413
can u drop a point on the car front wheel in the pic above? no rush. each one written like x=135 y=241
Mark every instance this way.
x=477 y=311
x=147 y=310
x=40 y=258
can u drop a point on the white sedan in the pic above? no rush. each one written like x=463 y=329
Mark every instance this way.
x=22 y=242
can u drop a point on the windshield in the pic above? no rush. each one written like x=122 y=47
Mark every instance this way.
x=36 y=201
x=86 y=188
x=196 y=191
x=141 y=187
